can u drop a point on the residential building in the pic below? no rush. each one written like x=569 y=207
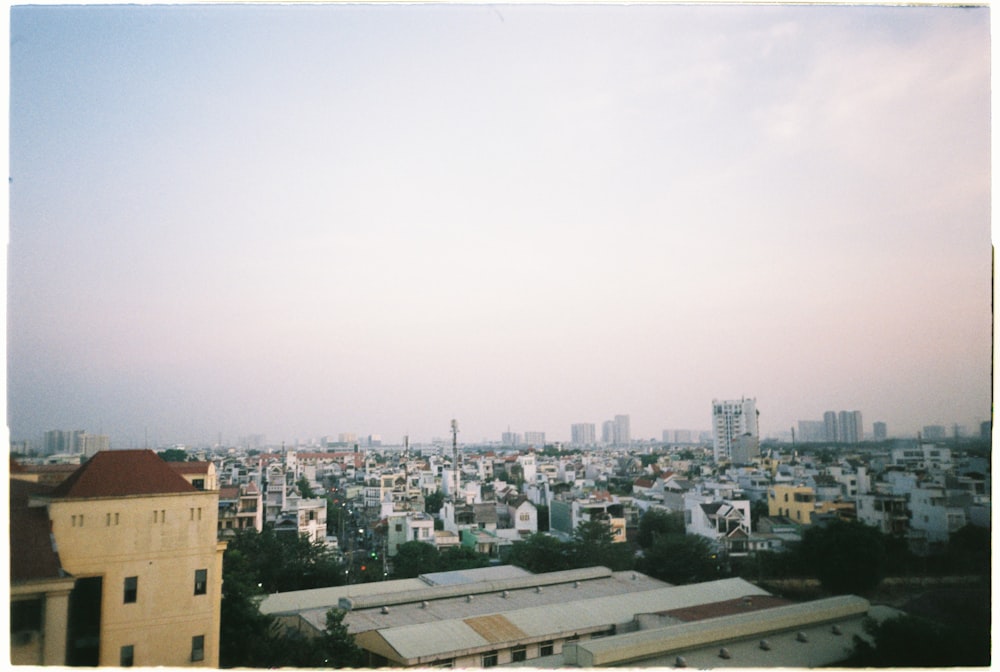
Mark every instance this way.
x=795 y=502
x=735 y=435
x=812 y=431
x=879 y=431
x=240 y=508
x=889 y=513
x=830 y=427
x=849 y=427
x=565 y=516
x=536 y=439
x=139 y=542
x=583 y=434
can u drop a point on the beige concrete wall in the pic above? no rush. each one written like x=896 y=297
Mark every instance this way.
x=161 y=540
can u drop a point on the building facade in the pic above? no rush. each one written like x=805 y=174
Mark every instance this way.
x=732 y=420
x=140 y=543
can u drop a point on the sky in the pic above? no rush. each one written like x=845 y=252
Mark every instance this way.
x=300 y=221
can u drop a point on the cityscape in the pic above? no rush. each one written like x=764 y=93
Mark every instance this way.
x=354 y=335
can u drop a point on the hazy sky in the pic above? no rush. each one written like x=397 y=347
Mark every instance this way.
x=306 y=220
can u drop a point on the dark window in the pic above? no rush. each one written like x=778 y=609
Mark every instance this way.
x=546 y=648
x=200 y=581
x=519 y=654
x=490 y=659
x=131 y=588
x=127 y=656
x=197 y=648
x=198 y=483
x=25 y=615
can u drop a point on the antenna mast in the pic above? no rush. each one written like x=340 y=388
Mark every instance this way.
x=455 y=458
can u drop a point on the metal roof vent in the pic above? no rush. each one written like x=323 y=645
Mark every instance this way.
x=423 y=604
x=576 y=584
x=724 y=653
x=468 y=598
x=801 y=637
x=765 y=645
x=836 y=630
x=385 y=610
x=505 y=594
x=680 y=662
x=634 y=577
x=538 y=589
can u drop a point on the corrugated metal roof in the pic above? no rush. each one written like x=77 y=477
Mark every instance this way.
x=425 y=641
x=495 y=628
x=325 y=598
x=473 y=575
x=661 y=641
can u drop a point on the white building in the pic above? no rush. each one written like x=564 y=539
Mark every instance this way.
x=735 y=436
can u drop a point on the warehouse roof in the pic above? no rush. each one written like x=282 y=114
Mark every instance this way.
x=418 y=643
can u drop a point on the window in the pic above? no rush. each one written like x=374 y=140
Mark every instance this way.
x=25 y=616
x=546 y=648
x=198 y=483
x=519 y=654
x=127 y=656
x=200 y=581
x=131 y=589
x=490 y=659
x=197 y=648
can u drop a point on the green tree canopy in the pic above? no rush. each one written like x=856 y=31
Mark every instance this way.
x=680 y=559
x=415 y=558
x=433 y=502
x=304 y=488
x=658 y=521
x=541 y=553
x=848 y=557
x=462 y=557
x=173 y=455
x=594 y=545
x=910 y=641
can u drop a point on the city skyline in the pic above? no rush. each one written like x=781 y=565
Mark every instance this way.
x=304 y=220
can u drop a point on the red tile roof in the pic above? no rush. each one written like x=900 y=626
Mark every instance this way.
x=32 y=553
x=189 y=467
x=120 y=473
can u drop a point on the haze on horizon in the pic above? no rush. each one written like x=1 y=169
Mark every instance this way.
x=304 y=220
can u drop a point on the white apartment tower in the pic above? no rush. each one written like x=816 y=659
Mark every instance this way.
x=734 y=430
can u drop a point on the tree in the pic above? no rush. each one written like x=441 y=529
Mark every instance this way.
x=462 y=557
x=336 y=648
x=415 y=558
x=173 y=455
x=910 y=641
x=305 y=489
x=433 y=502
x=658 y=521
x=594 y=545
x=680 y=559
x=541 y=553
x=848 y=557
x=969 y=551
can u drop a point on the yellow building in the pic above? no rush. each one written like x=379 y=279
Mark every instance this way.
x=796 y=502
x=139 y=541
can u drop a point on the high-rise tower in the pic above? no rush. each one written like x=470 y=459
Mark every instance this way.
x=734 y=430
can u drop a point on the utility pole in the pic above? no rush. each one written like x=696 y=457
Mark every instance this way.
x=455 y=459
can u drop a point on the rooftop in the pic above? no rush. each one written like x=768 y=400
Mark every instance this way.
x=121 y=473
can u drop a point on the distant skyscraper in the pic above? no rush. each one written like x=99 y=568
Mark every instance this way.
x=849 y=427
x=63 y=441
x=934 y=432
x=830 y=424
x=510 y=438
x=608 y=432
x=731 y=421
x=91 y=444
x=622 y=431
x=879 y=431
x=812 y=431
x=536 y=439
x=583 y=434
